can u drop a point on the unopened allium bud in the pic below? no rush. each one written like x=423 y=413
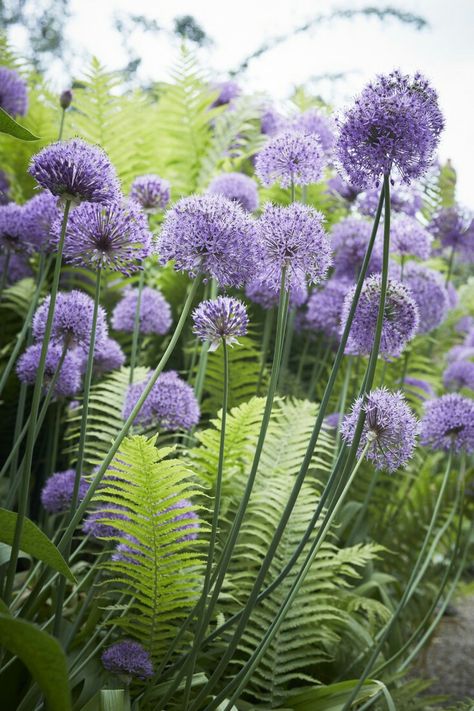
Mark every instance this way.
x=65 y=99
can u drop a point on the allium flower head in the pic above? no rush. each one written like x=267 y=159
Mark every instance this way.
x=459 y=374
x=77 y=171
x=210 y=234
x=337 y=185
x=12 y=231
x=267 y=295
x=332 y=420
x=408 y=237
x=400 y=321
x=151 y=192
x=154 y=316
x=390 y=427
x=454 y=227
x=429 y=292
x=39 y=214
x=228 y=90
x=107 y=356
x=171 y=404
x=460 y=352
x=293 y=238
x=18 y=267
x=465 y=324
x=72 y=320
x=65 y=99
x=349 y=240
x=318 y=124
x=4 y=188
x=402 y=199
x=128 y=659
x=56 y=495
x=290 y=157
x=97 y=523
x=13 y=92
x=448 y=422
x=69 y=380
x=221 y=319
x=324 y=307
x=113 y=236
x=272 y=122
x=394 y=124
x=237 y=187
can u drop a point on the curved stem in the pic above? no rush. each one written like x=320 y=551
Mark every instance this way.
x=136 y=325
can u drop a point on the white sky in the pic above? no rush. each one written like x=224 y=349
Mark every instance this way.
x=444 y=51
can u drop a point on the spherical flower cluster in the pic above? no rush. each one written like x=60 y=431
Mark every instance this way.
x=39 y=214
x=429 y=292
x=18 y=267
x=4 y=188
x=394 y=124
x=405 y=200
x=171 y=404
x=56 y=495
x=151 y=192
x=69 y=378
x=349 y=239
x=267 y=295
x=324 y=307
x=448 y=422
x=459 y=374
x=400 y=321
x=98 y=523
x=293 y=238
x=76 y=171
x=332 y=420
x=72 y=320
x=228 y=90
x=113 y=236
x=318 y=124
x=12 y=232
x=271 y=122
x=211 y=235
x=13 y=92
x=128 y=659
x=338 y=186
x=390 y=428
x=236 y=187
x=221 y=319
x=107 y=356
x=154 y=316
x=454 y=227
x=460 y=352
x=290 y=158
x=465 y=324
x=408 y=237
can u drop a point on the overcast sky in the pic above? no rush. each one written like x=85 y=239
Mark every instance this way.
x=362 y=47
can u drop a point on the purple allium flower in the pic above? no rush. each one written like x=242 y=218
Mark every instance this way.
x=318 y=124
x=448 y=422
x=452 y=294
x=332 y=420
x=212 y=235
x=13 y=92
x=408 y=237
x=338 y=186
x=402 y=199
x=72 y=320
x=221 y=319
x=454 y=227
x=390 y=427
x=349 y=240
x=272 y=122
x=293 y=238
x=128 y=552
x=4 y=188
x=236 y=187
x=395 y=123
x=107 y=356
x=155 y=312
x=65 y=99
x=113 y=236
x=151 y=192
x=421 y=388
x=324 y=307
x=469 y=339
x=459 y=374
x=461 y=352
x=400 y=322
x=12 y=231
x=56 y=494
x=189 y=518
x=69 y=379
x=171 y=404
x=228 y=90
x=39 y=214
x=429 y=292
x=77 y=171
x=97 y=523
x=18 y=267
x=128 y=659
x=267 y=296
x=465 y=324
x=290 y=157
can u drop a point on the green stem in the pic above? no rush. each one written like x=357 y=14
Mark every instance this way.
x=287 y=346
x=136 y=326
x=202 y=366
x=4 y=277
x=35 y=403
x=302 y=360
x=61 y=124
x=267 y=332
x=450 y=264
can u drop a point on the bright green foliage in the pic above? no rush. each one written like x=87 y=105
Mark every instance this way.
x=154 y=587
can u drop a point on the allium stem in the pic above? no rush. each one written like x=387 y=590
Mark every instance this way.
x=450 y=264
x=204 y=354
x=136 y=326
x=267 y=333
x=287 y=345
x=61 y=124
x=4 y=277
x=35 y=403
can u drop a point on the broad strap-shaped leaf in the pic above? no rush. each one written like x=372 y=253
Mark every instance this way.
x=43 y=656
x=12 y=128
x=332 y=697
x=34 y=542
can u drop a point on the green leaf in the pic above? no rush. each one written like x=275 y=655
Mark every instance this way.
x=10 y=126
x=34 y=542
x=332 y=697
x=43 y=656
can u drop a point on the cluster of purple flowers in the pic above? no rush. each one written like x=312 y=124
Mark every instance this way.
x=128 y=659
x=221 y=319
x=318 y=124
x=429 y=293
x=13 y=92
x=151 y=192
x=454 y=228
x=57 y=493
x=349 y=240
x=290 y=158
x=154 y=313
x=237 y=187
x=324 y=307
x=404 y=199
